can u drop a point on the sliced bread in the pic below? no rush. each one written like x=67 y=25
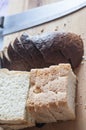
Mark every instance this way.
x=1 y=60
x=5 y=52
x=52 y=94
x=6 y=59
x=30 y=122
x=17 y=62
x=14 y=87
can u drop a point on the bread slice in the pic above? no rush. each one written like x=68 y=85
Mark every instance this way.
x=5 y=53
x=17 y=62
x=6 y=60
x=1 y=60
x=52 y=94
x=14 y=87
x=30 y=122
x=14 y=127
x=23 y=51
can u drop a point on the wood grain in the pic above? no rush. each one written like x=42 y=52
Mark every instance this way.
x=16 y=7
x=76 y=23
x=36 y=3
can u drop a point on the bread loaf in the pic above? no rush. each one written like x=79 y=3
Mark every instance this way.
x=41 y=51
x=52 y=94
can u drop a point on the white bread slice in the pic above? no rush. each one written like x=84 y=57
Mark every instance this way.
x=30 y=123
x=52 y=94
x=14 y=127
x=14 y=87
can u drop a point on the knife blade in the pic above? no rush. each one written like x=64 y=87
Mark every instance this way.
x=40 y=15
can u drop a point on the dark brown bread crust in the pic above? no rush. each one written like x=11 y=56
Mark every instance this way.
x=6 y=63
x=1 y=60
x=45 y=50
x=28 y=51
x=60 y=48
x=17 y=62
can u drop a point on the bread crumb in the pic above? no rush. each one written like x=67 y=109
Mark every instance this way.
x=56 y=29
x=42 y=30
x=64 y=24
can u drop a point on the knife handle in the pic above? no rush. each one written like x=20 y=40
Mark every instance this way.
x=2 y=22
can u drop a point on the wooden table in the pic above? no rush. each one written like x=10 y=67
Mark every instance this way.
x=76 y=23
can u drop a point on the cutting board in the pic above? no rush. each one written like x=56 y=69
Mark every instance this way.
x=76 y=23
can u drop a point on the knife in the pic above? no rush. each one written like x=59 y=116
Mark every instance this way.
x=38 y=16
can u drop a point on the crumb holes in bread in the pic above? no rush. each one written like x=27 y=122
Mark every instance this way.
x=37 y=90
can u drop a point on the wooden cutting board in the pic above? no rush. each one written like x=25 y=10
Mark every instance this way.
x=76 y=23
